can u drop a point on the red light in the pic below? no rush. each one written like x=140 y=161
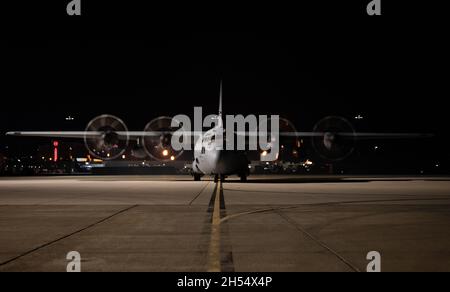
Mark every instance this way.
x=55 y=151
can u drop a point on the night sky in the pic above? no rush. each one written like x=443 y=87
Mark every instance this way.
x=393 y=71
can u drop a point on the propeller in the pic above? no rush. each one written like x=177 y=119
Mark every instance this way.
x=289 y=143
x=159 y=146
x=108 y=144
x=336 y=140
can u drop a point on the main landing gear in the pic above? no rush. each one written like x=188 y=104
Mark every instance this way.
x=243 y=177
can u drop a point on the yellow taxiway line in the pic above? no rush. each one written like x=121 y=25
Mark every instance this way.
x=214 y=254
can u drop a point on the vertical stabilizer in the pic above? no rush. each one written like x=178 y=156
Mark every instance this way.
x=220 y=100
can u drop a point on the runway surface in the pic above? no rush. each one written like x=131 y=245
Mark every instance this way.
x=271 y=223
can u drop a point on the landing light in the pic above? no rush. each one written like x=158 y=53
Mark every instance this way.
x=172 y=158
x=165 y=152
x=264 y=153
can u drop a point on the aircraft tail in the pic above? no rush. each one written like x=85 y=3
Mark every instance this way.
x=220 y=100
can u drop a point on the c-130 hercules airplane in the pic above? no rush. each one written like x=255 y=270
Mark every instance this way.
x=106 y=137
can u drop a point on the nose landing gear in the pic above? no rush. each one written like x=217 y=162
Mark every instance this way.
x=222 y=177
x=219 y=176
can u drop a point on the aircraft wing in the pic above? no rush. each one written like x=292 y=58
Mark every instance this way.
x=359 y=135
x=55 y=134
x=139 y=134
x=92 y=134
x=343 y=134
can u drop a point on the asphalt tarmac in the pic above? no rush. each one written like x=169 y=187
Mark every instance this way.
x=270 y=223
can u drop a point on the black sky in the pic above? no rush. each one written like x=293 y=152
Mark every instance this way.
x=392 y=70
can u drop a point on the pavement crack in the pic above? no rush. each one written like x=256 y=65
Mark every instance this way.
x=257 y=211
x=66 y=236
x=199 y=193
x=317 y=241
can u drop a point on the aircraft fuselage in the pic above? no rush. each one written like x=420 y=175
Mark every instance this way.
x=209 y=159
